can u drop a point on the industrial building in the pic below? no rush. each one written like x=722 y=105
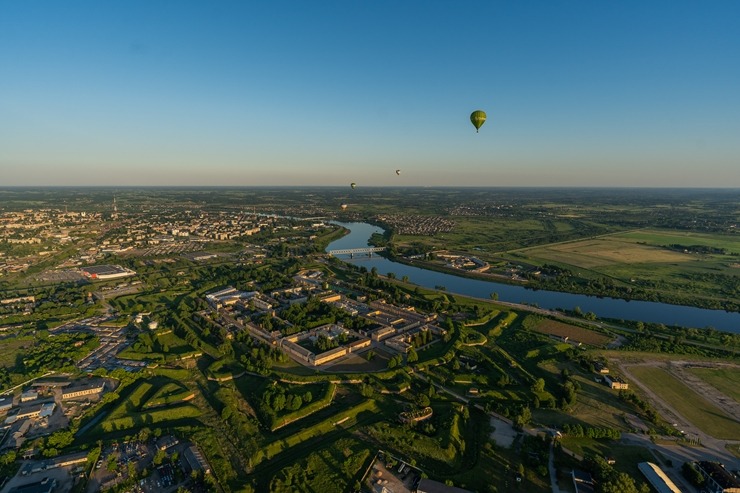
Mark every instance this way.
x=105 y=272
x=83 y=390
x=657 y=478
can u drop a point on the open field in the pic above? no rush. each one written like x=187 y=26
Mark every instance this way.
x=9 y=348
x=695 y=408
x=606 y=250
x=731 y=243
x=572 y=333
x=634 y=247
x=726 y=380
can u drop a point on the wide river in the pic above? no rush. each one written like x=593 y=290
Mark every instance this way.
x=645 y=311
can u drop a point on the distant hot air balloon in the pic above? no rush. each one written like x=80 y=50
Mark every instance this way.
x=398 y=171
x=343 y=206
x=478 y=118
x=353 y=185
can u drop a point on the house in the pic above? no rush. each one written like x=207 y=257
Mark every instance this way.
x=616 y=382
x=165 y=442
x=6 y=403
x=196 y=460
x=29 y=395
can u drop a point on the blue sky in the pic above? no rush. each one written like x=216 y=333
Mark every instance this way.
x=578 y=93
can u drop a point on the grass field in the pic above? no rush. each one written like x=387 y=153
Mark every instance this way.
x=700 y=412
x=607 y=250
x=174 y=344
x=656 y=237
x=596 y=405
x=572 y=332
x=9 y=347
x=726 y=380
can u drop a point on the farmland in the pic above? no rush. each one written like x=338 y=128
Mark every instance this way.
x=571 y=333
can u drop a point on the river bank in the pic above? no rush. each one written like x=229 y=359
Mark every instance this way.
x=603 y=307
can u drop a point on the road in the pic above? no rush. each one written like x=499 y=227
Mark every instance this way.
x=553 y=471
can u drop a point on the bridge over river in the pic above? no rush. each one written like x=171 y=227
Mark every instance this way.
x=356 y=251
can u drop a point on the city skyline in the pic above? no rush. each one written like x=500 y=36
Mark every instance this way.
x=188 y=94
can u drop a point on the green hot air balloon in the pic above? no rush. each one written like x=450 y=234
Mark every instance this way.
x=353 y=185
x=478 y=118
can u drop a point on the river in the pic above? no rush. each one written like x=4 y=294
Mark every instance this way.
x=646 y=311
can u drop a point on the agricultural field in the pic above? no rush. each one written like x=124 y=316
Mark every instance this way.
x=571 y=333
x=692 y=406
x=642 y=247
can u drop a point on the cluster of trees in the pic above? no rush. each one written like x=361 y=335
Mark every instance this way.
x=308 y=315
x=54 y=353
x=670 y=345
x=422 y=338
x=259 y=357
x=323 y=343
x=568 y=390
x=609 y=480
x=702 y=249
x=275 y=399
x=644 y=406
x=397 y=360
x=591 y=432
x=692 y=474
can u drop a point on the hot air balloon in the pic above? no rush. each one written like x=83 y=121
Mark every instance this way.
x=398 y=171
x=478 y=118
x=343 y=206
x=353 y=185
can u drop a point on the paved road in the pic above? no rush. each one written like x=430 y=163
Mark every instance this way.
x=553 y=471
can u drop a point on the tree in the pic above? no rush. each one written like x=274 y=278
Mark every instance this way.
x=524 y=417
x=159 y=457
x=538 y=386
x=411 y=356
x=422 y=400
x=494 y=296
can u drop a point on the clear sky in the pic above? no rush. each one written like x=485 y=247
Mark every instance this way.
x=578 y=92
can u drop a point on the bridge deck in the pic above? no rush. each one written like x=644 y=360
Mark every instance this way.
x=352 y=251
